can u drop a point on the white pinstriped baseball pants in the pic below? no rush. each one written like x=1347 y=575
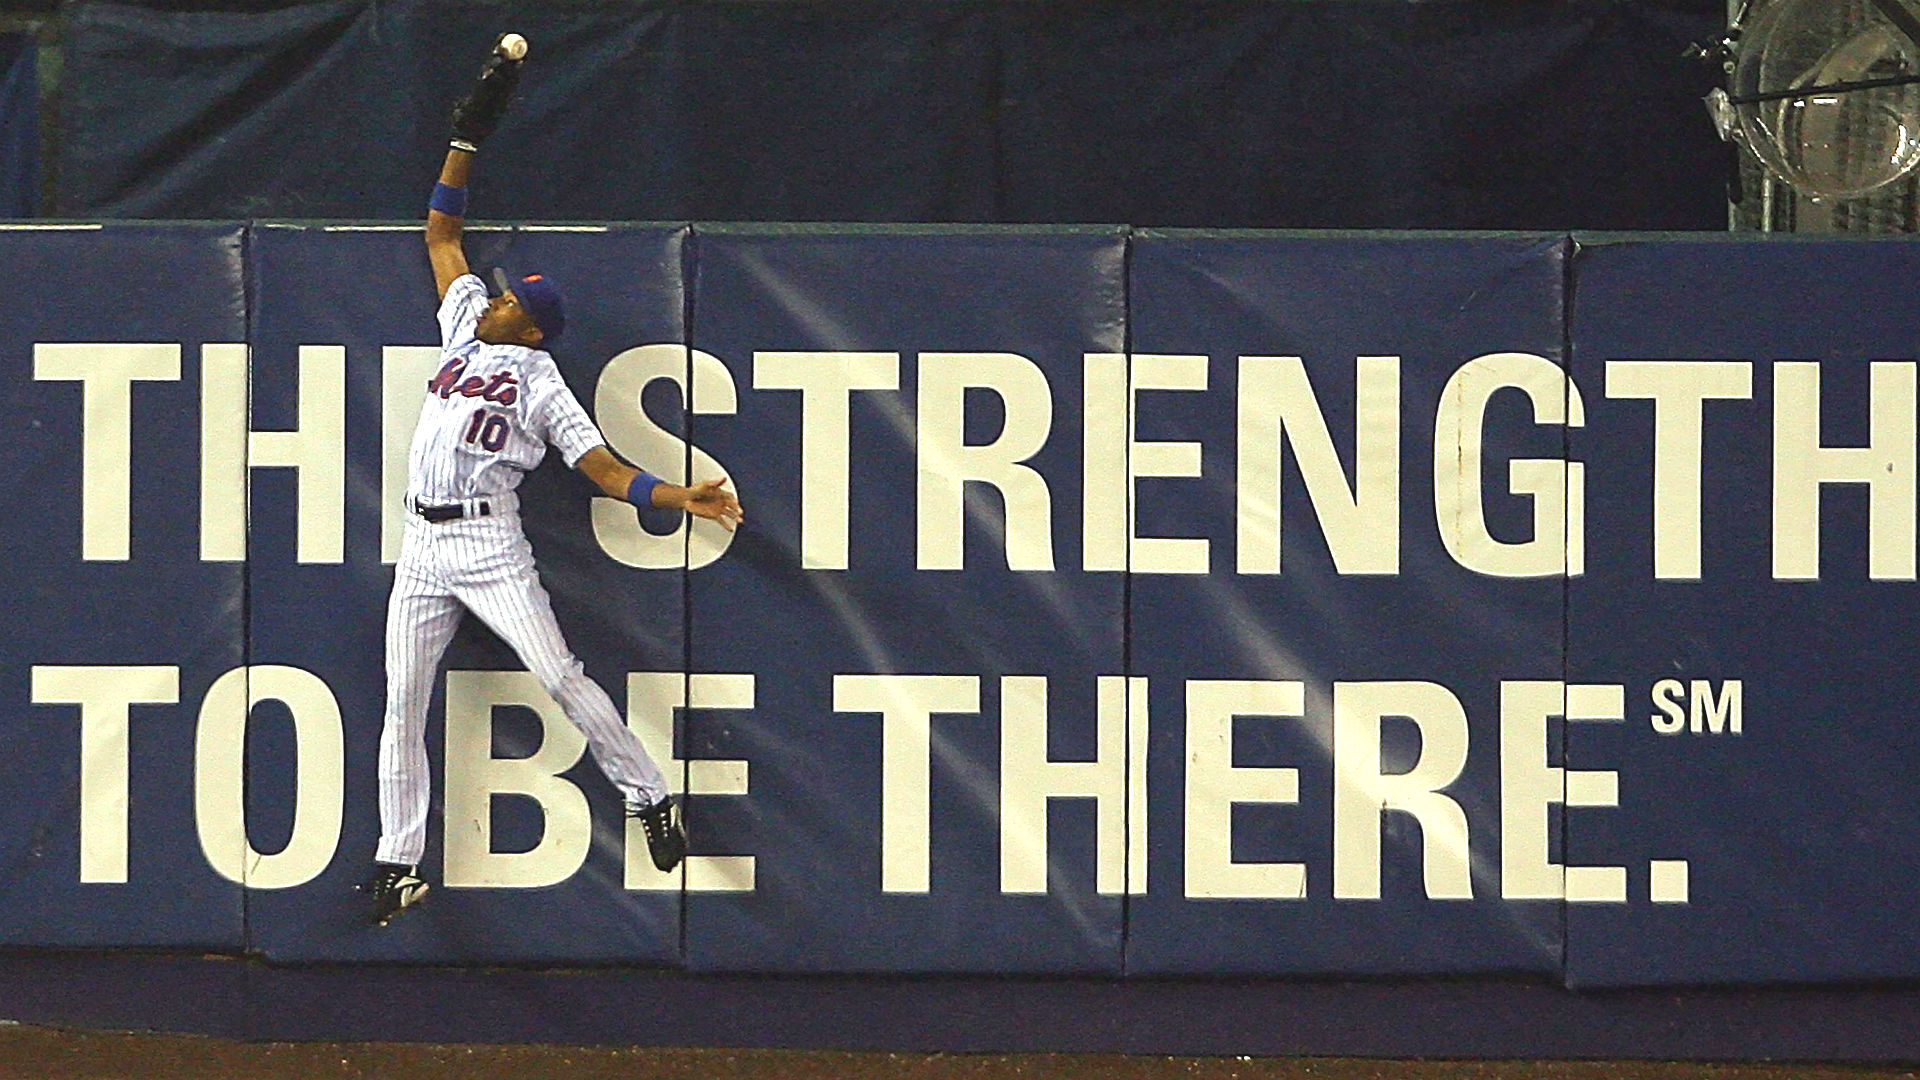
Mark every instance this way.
x=483 y=565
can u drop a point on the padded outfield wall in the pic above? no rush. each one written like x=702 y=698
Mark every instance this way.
x=1111 y=603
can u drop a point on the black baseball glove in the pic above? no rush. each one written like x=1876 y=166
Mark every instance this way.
x=478 y=114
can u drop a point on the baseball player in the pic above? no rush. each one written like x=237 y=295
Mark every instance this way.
x=496 y=402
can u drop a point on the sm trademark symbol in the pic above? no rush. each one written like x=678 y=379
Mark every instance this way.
x=1697 y=706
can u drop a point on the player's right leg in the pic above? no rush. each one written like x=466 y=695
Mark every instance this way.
x=421 y=618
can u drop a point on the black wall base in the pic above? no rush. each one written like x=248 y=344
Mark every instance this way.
x=617 y=1006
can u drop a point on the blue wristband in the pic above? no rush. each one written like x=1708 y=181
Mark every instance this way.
x=449 y=200
x=640 y=492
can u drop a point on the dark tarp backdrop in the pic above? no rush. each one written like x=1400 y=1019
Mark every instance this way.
x=19 y=126
x=1332 y=114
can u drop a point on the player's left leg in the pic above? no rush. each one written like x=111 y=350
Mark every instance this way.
x=420 y=622
x=421 y=617
x=511 y=600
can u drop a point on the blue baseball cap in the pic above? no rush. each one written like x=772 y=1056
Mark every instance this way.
x=541 y=299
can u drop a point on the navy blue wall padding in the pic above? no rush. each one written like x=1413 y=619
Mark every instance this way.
x=1335 y=114
x=1757 y=846
x=814 y=815
x=1787 y=866
x=19 y=126
x=1436 y=303
x=155 y=605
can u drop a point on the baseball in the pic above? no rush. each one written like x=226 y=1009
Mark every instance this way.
x=513 y=47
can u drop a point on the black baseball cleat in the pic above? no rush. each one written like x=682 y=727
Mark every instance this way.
x=666 y=839
x=393 y=889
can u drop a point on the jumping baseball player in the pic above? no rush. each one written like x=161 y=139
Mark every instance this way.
x=496 y=402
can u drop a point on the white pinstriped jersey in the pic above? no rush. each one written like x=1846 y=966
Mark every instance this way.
x=489 y=414
x=490 y=411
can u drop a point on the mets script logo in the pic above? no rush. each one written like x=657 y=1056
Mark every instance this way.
x=500 y=389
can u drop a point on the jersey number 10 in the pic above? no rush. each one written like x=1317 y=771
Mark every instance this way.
x=488 y=429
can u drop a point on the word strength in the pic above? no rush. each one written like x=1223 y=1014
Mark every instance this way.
x=1358 y=488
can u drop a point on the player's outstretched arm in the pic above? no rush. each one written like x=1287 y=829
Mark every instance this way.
x=474 y=119
x=707 y=499
x=445 y=220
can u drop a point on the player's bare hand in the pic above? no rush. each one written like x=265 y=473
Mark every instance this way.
x=708 y=499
